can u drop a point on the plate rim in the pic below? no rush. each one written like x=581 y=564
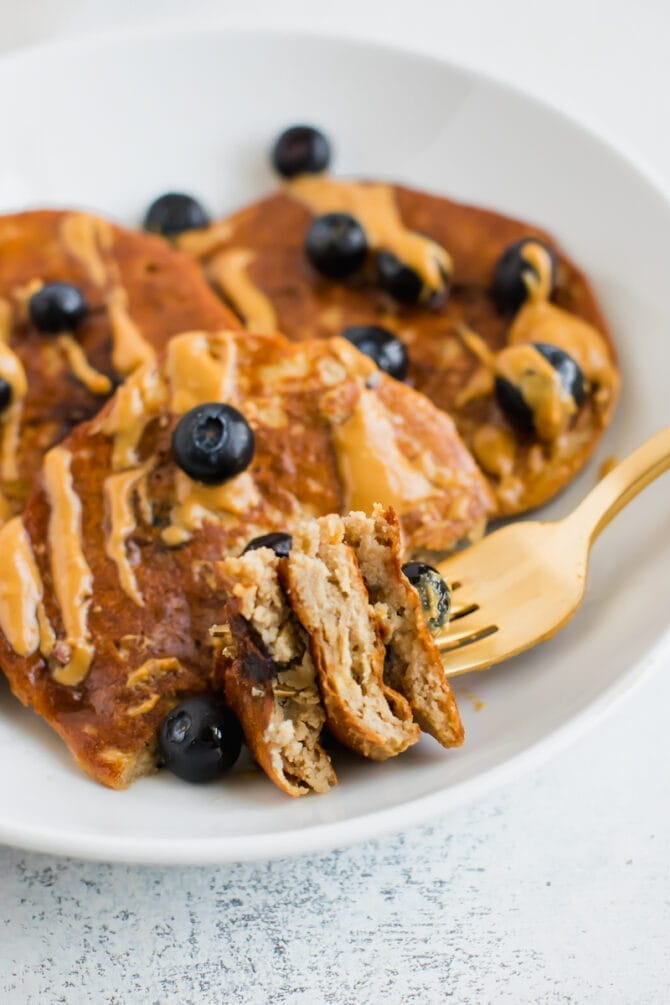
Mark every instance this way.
x=365 y=826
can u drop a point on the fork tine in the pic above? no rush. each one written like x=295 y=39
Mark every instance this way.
x=462 y=611
x=459 y=639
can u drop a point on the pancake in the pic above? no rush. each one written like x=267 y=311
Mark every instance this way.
x=332 y=633
x=139 y=291
x=269 y=676
x=110 y=587
x=256 y=260
x=327 y=592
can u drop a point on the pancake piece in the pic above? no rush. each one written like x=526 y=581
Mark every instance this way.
x=139 y=292
x=328 y=595
x=270 y=681
x=110 y=587
x=256 y=260
x=413 y=665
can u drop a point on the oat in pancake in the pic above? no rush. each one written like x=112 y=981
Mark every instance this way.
x=269 y=676
x=137 y=292
x=328 y=629
x=430 y=272
x=110 y=586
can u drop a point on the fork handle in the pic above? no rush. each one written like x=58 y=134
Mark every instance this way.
x=622 y=484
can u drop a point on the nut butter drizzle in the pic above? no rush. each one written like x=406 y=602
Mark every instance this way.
x=537 y=278
x=541 y=387
x=371 y=465
x=22 y=616
x=375 y=208
x=72 y=578
x=11 y=370
x=92 y=379
x=539 y=321
x=197 y=503
x=135 y=404
x=199 y=368
x=229 y=270
x=87 y=238
x=119 y=490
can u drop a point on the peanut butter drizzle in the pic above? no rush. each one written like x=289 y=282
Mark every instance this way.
x=538 y=277
x=198 y=503
x=375 y=208
x=85 y=238
x=494 y=449
x=72 y=578
x=22 y=616
x=130 y=349
x=96 y=382
x=118 y=491
x=5 y=321
x=540 y=386
x=201 y=243
x=151 y=669
x=200 y=369
x=481 y=383
x=135 y=404
x=92 y=379
x=536 y=378
x=539 y=321
x=229 y=271
x=22 y=294
x=11 y=370
x=372 y=468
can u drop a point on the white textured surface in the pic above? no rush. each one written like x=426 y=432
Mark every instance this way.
x=556 y=890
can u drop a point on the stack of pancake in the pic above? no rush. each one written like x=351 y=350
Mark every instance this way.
x=125 y=586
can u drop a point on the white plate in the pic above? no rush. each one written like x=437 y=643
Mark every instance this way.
x=112 y=123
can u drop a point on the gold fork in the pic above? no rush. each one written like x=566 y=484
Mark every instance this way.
x=528 y=579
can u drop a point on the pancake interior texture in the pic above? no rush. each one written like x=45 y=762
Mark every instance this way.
x=454 y=333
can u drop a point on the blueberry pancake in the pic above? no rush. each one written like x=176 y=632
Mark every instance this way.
x=110 y=587
x=83 y=303
x=483 y=314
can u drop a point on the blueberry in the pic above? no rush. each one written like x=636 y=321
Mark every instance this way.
x=382 y=346
x=509 y=288
x=280 y=542
x=403 y=283
x=173 y=213
x=5 y=394
x=300 y=150
x=57 y=307
x=336 y=245
x=433 y=591
x=568 y=369
x=200 y=740
x=213 y=443
x=513 y=405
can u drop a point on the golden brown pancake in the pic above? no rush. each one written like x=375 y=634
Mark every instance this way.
x=140 y=293
x=256 y=260
x=110 y=587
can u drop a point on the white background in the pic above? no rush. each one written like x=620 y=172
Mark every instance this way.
x=554 y=890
